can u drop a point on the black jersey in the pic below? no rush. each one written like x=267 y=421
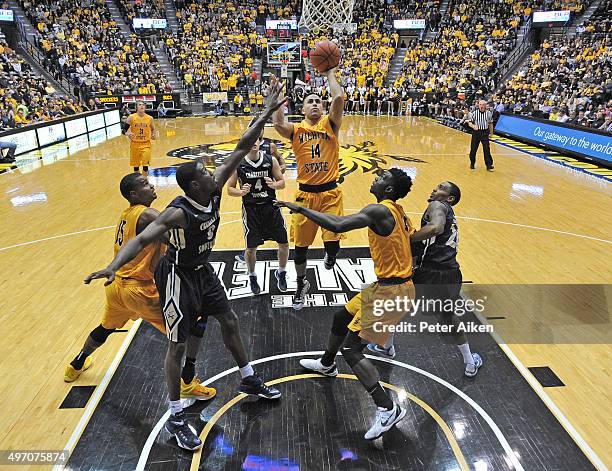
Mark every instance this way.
x=440 y=252
x=190 y=246
x=254 y=173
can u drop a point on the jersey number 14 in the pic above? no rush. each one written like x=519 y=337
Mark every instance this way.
x=316 y=151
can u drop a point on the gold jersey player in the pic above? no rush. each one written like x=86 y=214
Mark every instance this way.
x=133 y=294
x=315 y=145
x=389 y=231
x=141 y=132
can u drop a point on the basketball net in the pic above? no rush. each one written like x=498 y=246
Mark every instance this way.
x=318 y=15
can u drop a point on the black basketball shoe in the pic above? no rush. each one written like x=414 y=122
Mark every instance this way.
x=183 y=432
x=255 y=386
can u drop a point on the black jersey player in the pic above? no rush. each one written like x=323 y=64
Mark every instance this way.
x=258 y=177
x=437 y=274
x=185 y=280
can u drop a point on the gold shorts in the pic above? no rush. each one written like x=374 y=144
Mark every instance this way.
x=140 y=155
x=130 y=300
x=371 y=317
x=303 y=230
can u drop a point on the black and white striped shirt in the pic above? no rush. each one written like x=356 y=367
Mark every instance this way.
x=482 y=119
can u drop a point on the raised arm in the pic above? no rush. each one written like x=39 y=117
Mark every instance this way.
x=282 y=126
x=274 y=151
x=436 y=212
x=337 y=105
x=370 y=216
x=223 y=172
x=169 y=219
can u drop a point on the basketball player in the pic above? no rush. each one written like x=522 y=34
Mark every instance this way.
x=437 y=274
x=389 y=232
x=258 y=176
x=315 y=144
x=140 y=133
x=133 y=294
x=186 y=281
x=268 y=147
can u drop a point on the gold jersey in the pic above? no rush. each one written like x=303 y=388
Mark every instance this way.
x=142 y=267
x=392 y=255
x=317 y=152
x=142 y=129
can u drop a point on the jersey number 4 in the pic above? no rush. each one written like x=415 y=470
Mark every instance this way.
x=316 y=152
x=453 y=240
x=258 y=185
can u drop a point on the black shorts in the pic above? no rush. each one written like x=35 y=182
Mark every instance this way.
x=185 y=295
x=263 y=222
x=437 y=284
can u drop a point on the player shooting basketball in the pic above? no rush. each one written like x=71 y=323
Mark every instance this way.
x=315 y=144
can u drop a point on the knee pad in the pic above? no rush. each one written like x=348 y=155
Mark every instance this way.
x=352 y=350
x=341 y=321
x=200 y=327
x=332 y=248
x=300 y=255
x=100 y=334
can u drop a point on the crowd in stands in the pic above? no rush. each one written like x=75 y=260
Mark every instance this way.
x=474 y=38
x=411 y=9
x=215 y=45
x=26 y=98
x=566 y=80
x=217 y=42
x=131 y=9
x=82 y=43
x=600 y=21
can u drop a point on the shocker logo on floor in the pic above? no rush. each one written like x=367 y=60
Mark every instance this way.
x=364 y=156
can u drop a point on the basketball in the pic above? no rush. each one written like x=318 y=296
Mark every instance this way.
x=325 y=56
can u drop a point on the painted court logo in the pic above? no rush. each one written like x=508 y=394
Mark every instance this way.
x=353 y=157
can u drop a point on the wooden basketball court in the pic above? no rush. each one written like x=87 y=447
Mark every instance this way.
x=530 y=222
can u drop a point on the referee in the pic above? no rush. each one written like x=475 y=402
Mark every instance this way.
x=481 y=121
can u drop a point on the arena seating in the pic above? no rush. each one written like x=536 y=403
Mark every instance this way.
x=215 y=45
x=84 y=45
x=26 y=98
x=600 y=21
x=131 y=9
x=428 y=9
x=564 y=80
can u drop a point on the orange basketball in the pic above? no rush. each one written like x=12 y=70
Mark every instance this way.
x=325 y=56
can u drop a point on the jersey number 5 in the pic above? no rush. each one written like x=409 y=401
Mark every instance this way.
x=316 y=152
x=119 y=236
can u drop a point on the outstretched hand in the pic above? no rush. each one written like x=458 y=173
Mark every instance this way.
x=272 y=100
x=105 y=273
x=294 y=208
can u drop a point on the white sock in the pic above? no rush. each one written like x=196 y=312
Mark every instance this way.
x=176 y=407
x=247 y=371
x=467 y=353
x=252 y=274
x=281 y=269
